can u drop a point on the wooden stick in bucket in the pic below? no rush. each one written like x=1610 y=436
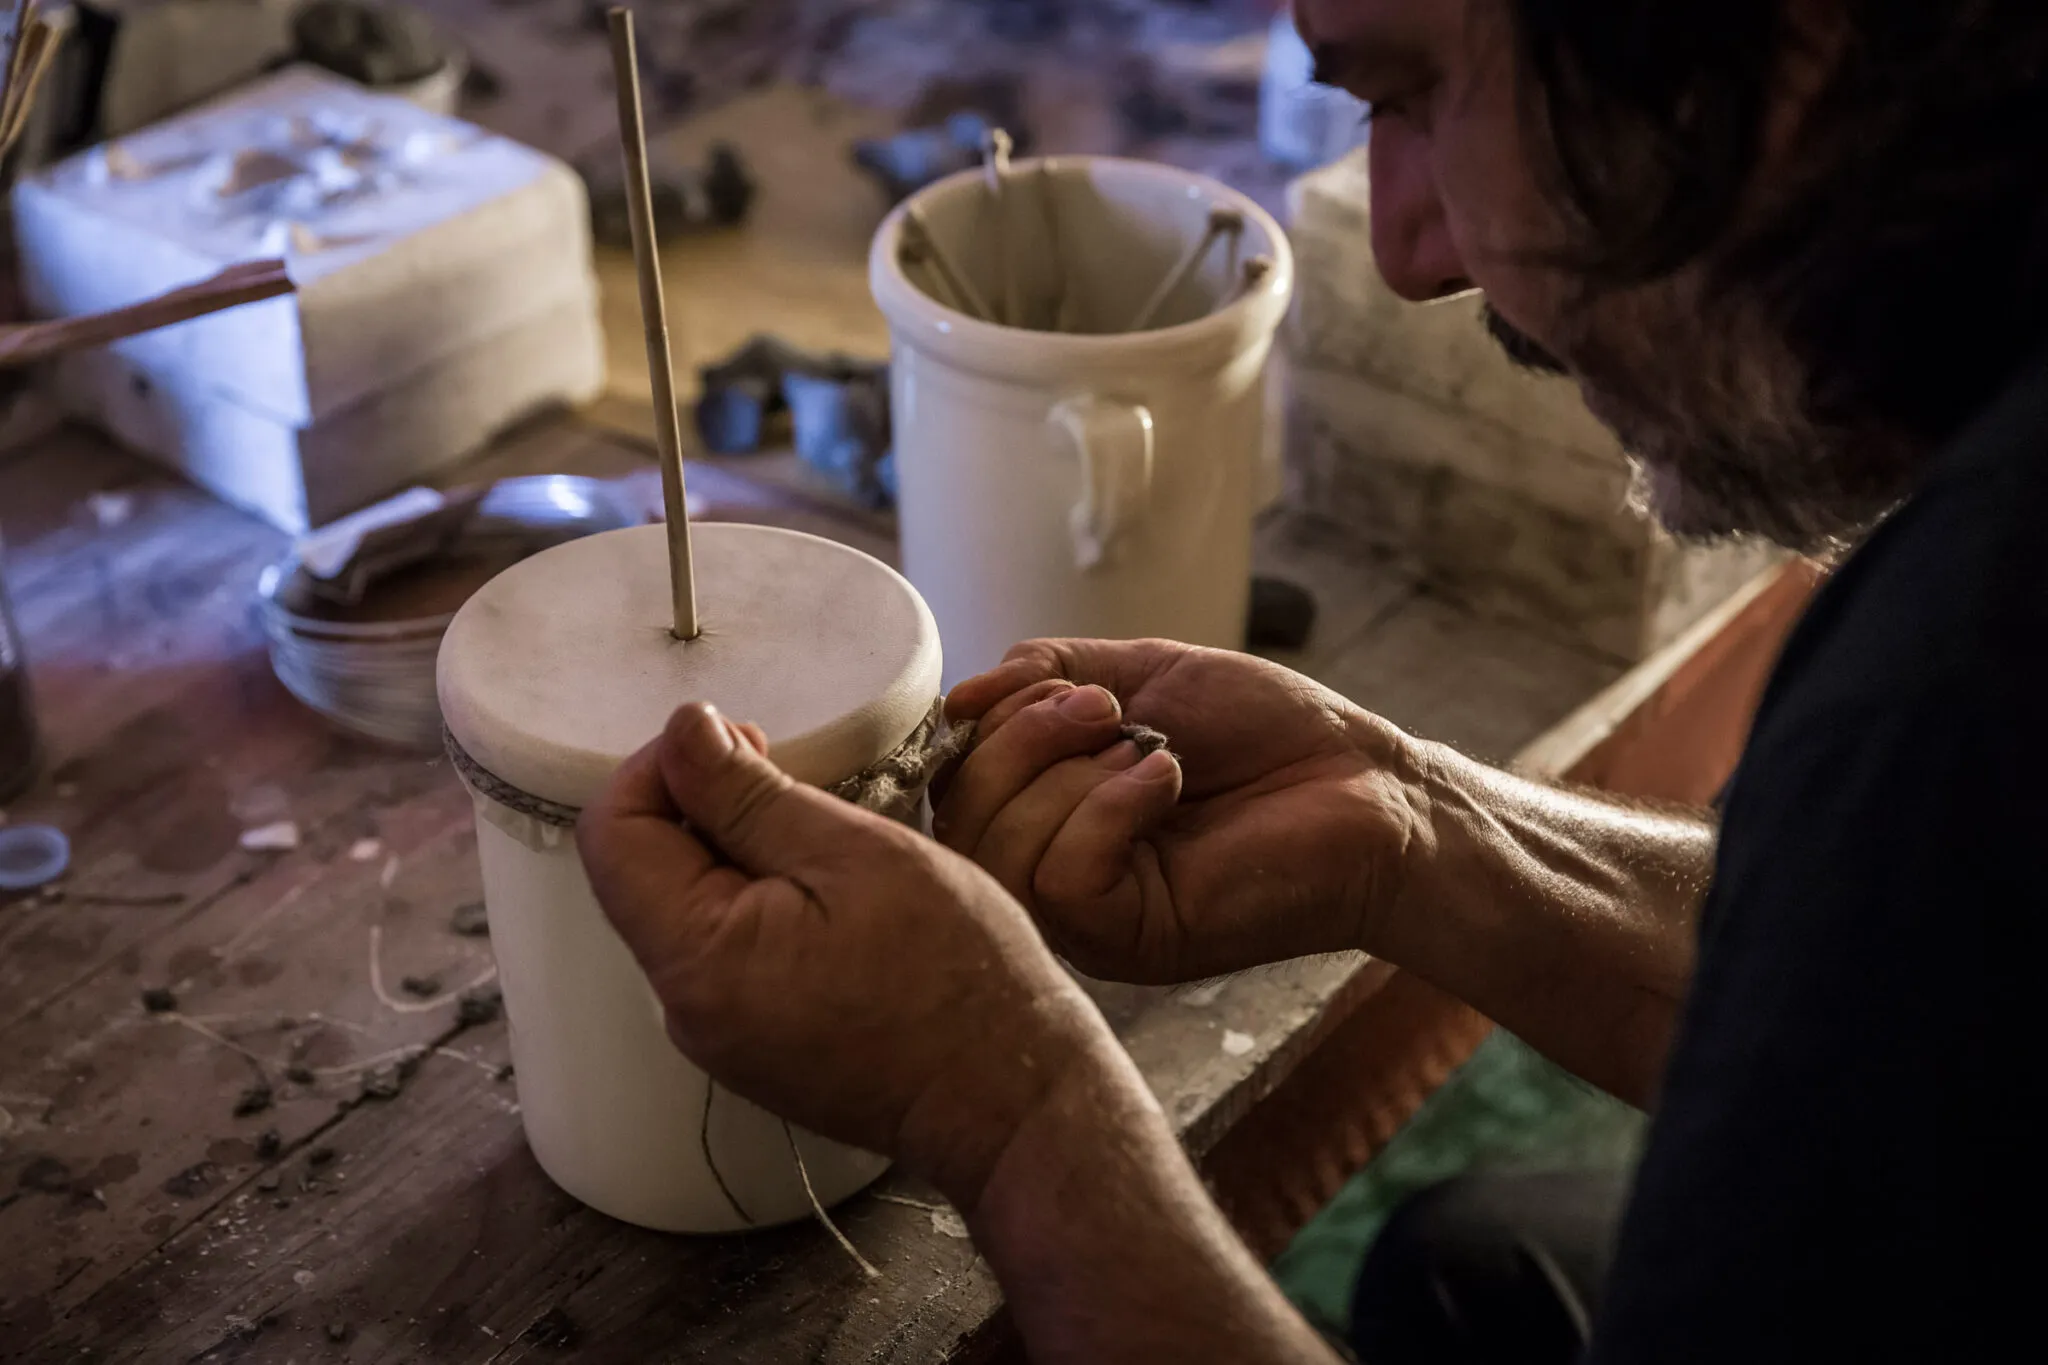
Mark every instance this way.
x=31 y=49
x=654 y=320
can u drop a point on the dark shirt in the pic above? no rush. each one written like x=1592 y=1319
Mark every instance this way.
x=1834 y=1172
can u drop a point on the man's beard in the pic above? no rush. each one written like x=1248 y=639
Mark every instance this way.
x=1718 y=420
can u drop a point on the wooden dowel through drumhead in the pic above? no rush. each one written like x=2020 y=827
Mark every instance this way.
x=654 y=320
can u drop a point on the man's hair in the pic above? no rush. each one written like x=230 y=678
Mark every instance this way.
x=1904 y=255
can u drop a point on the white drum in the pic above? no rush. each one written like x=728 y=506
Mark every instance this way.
x=1071 y=475
x=549 y=677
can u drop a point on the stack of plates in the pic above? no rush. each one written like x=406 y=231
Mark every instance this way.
x=370 y=668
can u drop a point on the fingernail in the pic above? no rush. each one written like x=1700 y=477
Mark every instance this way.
x=1158 y=766
x=1121 y=756
x=705 y=737
x=1088 y=704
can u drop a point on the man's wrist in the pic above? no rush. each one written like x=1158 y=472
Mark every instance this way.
x=957 y=1136
x=1403 y=791
x=1099 y=1101
x=1108 y=1247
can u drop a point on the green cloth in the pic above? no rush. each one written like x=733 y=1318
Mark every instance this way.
x=1506 y=1108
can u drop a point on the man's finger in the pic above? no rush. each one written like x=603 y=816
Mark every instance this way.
x=1091 y=854
x=755 y=736
x=1122 y=666
x=942 y=780
x=972 y=699
x=1007 y=709
x=742 y=804
x=1081 y=721
x=635 y=789
x=1020 y=834
x=647 y=869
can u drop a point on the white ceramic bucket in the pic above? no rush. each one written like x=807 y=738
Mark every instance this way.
x=552 y=674
x=1090 y=480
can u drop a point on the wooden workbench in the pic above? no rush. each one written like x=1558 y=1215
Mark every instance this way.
x=396 y=1215
x=142 y=1219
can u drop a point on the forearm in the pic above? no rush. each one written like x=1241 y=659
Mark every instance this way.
x=1565 y=916
x=1108 y=1248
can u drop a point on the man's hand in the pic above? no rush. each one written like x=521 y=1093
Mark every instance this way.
x=1284 y=828
x=860 y=980
x=1303 y=825
x=830 y=964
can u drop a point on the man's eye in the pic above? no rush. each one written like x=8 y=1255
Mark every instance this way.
x=1407 y=107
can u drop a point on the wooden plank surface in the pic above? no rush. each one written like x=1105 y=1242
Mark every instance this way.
x=143 y=1219
x=1672 y=728
x=136 y=1216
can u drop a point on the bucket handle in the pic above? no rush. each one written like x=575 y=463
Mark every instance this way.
x=1114 y=441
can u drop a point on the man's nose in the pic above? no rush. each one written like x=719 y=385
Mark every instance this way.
x=1411 y=237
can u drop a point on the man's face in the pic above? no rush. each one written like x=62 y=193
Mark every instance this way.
x=1454 y=195
x=1712 y=413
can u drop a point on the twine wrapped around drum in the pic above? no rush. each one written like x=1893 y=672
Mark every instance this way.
x=892 y=787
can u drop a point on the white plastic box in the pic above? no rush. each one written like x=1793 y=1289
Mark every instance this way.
x=444 y=288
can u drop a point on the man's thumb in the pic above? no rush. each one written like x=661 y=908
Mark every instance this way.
x=739 y=802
